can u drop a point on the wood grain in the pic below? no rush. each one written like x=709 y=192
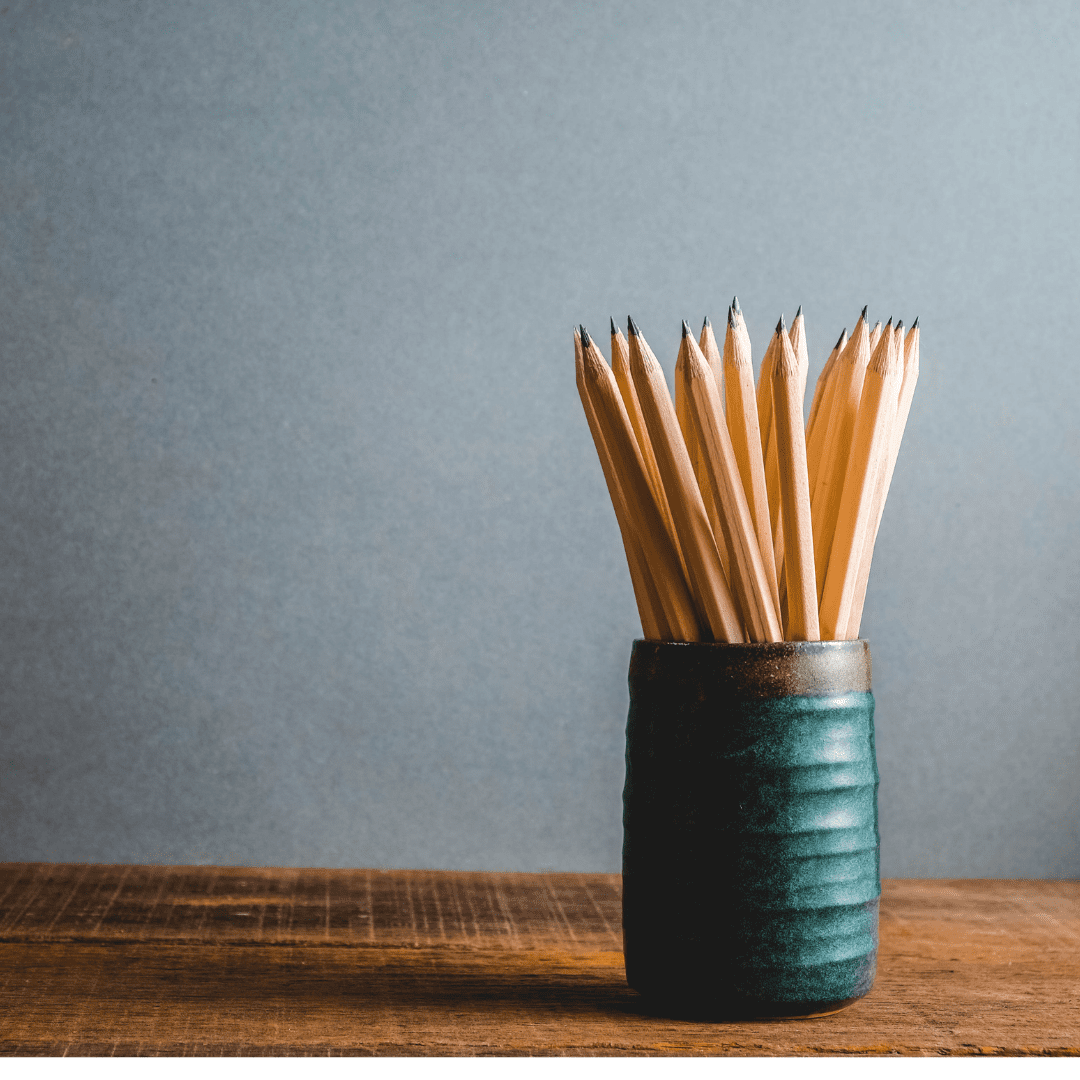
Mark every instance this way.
x=138 y=960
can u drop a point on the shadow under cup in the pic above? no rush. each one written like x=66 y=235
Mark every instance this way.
x=750 y=839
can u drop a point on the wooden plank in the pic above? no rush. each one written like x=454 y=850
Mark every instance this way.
x=207 y=960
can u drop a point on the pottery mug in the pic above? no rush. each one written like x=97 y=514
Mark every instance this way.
x=750 y=839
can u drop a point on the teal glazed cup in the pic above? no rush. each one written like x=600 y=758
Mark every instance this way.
x=750 y=835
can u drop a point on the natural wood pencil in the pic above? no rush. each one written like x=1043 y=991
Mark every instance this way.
x=654 y=625
x=746 y=574
x=647 y=524
x=620 y=365
x=907 y=392
x=825 y=498
x=797 y=337
x=875 y=335
x=742 y=421
x=866 y=461
x=711 y=351
x=768 y=449
x=682 y=413
x=697 y=456
x=794 y=494
x=708 y=584
x=818 y=423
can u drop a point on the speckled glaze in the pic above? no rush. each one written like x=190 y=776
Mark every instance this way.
x=750 y=839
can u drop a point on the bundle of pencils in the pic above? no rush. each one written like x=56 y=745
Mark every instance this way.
x=740 y=522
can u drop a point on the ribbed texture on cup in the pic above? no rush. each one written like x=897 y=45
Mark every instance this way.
x=750 y=853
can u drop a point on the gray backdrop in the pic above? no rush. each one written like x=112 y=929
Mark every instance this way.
x=305 y=555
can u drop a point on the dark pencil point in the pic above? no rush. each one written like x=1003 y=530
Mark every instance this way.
x=780 y=327
x=735 y=305
x=731 y=317
x=797 y=314
x=915 y=324
x=586 y=341
x=705 y=323
x=888 y=324
x=863 y=315
x=632 y=326
x=900 y=325
x=686 y=331
x=840 y=338
x=613 y=330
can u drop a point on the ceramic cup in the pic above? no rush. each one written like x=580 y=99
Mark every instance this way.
x=750 y=839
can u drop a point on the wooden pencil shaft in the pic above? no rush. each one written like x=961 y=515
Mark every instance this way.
x=711 y=351
x=866 y=464
x=907 y=393
x=794 y=496
x=650 y=608
x=746 y=575
x=620 y=366
x=825 y=499
x=694 y=450
x=657 y=545
x=797 y=336
x=820 y=391
x=768 y=448
x=742 y=421
x=818 y=424
x=707 y=582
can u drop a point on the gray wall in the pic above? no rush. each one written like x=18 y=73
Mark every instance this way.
x=305 y=555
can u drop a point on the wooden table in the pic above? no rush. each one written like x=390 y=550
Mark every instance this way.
x=203 y=960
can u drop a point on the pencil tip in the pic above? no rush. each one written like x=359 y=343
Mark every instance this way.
x=631 y=325
x=706 y=323
x=613 y=330
x=780 y=327
x=863 y=315
x=585 y=339
x=840 y=338
x=889 y=323
x=900 y=325
x=797 y=314
x=735 y=305
x=915 y=324
x=686 y=331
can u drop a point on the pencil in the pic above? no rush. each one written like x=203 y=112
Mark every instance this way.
x=907 y=392
x=746 y=573
x=707 y=582
x=654 y=625
x=648 y=526
x=711 y=352
x=794 y=488
x=620 y=365
x=867 y=458
x=819 y=410
x=742 y=421
x=825 y=498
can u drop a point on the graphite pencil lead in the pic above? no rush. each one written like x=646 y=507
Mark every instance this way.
x=613 y=330
x=799 y=312
x=889 y=323
x=840 y=338
x=735 y=305
x=585 y=339
x=731 y=317
x=631 y=326
x=686 y=331
x=780 y=327
x=900 y=325
x=863 y=315
x=705 y=323
x=915 y=323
